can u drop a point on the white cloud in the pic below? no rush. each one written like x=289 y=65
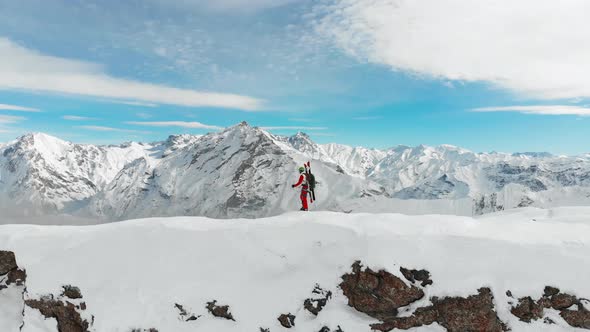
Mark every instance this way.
x=183 y=124
x=7 y=107
x=143 y=115
x=136 y=103
x=4 y=119
x=541 y=110
x=293 y=128
x=77 y=118
x=26 y=69
x=111 y=129
x=536 y=47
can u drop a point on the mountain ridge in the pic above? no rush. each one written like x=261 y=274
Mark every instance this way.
x=245 y=171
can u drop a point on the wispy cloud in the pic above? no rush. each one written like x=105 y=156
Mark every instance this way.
x=293 y=128
x=77 y=118
x=26 y=69
x=137 y=103
x=464 y=40
x=5 y=119
x=17 y=108
x=183 y=124
x=541 y=110
x=111 y=129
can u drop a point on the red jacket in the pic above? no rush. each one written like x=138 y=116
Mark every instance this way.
x=301 y=181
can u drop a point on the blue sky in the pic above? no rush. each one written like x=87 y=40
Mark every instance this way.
x=496 y=76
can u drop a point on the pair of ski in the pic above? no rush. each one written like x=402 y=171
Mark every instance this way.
x=310 y=181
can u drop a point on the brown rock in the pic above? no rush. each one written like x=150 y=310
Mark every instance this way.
x=550 y=291
x=377 y=294
x=287 y=320
x=68 y=319
x=7 y=262
x=576 y=318
x=71 y=292
x=474 y=313
x=316 y=303
x=563 y=301
x=417 y=275
x=527 y=310
x=219 y=311
x=16 y=276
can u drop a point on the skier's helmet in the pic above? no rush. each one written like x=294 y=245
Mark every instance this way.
x=301 y=169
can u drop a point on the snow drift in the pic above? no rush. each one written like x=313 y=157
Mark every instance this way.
x=133 y=274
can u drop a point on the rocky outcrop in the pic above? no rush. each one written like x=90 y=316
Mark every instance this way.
x=381 y=294
x=473 y=313
x=573 y=310
x=65 y=313
x=219 y=311
x=378 y=294
x=7 y=262
x=287 y=320
x=318 y=301
x=71 y=292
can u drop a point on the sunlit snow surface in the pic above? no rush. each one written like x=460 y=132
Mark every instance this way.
x=131 y=273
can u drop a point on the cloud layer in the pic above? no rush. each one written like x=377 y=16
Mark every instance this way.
x=540 y=110
x=536 y=47
x=17 y=108
x=182 y=124
x=25 y=69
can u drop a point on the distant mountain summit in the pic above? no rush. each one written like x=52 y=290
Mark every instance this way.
x=244 y=171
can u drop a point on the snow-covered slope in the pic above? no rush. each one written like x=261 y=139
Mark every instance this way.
x=131 y=274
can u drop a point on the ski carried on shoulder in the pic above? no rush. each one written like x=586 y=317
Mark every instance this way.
x=310 y=180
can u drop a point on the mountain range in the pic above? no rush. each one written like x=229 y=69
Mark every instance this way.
x=244 y=171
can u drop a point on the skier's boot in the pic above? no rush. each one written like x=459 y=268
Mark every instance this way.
x=303 y=209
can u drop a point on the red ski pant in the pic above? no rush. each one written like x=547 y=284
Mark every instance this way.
x=304 y=198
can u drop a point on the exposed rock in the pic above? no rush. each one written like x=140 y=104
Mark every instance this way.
x=550 y=291
x=184 y=315
x=563 y=301
x=287 y=320
x=327 y=329
x=16 y=276
x=144 y=330
x=264 y=330
x=474 y=313
x=68 y=319
x=316 y=303
x=7 y=262
x=577 y=318
x=377 y=294
x=219 y=311
x=527 y=310
x=419 y=275
x=71 y=292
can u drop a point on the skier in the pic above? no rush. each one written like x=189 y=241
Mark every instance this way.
x=304 y=188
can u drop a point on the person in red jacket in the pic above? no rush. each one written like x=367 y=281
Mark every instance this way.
x=304 y=188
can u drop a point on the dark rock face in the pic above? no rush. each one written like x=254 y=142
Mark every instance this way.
x=7 y=262
x=71 y=292
x=417 y=275
x=68 y=319
x=287 y=320
x=528 y=309
x=318 y=301
x=219 y=311
x=474 y=313
x=327 y=329
x=16 y=276
x=377 y=294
